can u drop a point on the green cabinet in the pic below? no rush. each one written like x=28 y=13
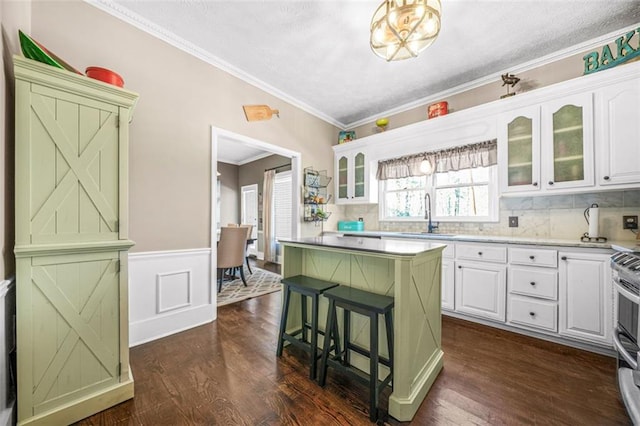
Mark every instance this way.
x=71 y=244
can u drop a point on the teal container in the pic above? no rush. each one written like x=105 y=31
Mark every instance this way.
x=345 y=225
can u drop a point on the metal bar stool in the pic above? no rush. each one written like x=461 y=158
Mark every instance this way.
x=306 y=287
x=370 y=305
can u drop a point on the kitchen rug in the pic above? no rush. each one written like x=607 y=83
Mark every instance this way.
x=259 y=283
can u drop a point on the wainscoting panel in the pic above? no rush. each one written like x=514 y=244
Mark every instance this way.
x=169 y=291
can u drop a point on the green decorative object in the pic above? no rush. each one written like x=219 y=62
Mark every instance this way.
x=624 y=52
x=34 y=50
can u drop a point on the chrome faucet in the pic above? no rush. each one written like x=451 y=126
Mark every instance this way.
x=427 y=213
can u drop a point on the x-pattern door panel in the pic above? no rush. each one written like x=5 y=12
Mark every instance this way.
x=77 y=348
x=74 y=175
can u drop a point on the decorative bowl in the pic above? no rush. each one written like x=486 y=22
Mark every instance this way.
x=105 y=75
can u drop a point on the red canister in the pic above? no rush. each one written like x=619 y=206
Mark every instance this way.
x=438 y=109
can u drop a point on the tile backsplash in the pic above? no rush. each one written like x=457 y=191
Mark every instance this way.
x=553 y=216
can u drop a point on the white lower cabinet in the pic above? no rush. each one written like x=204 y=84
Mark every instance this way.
x=448 y=284
x=586 y=296
x=565 y=293
x=530 y=312
x=480 y=289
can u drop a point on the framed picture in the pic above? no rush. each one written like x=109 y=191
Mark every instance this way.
x=346 y=136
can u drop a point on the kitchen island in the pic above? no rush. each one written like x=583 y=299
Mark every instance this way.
x=409 y=271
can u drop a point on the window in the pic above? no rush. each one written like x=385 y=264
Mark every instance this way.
x=403 y=198
x=282 y=205
x=468 y=195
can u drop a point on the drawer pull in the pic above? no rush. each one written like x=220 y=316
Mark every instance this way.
x=563 y=258
x=532 y=257
x=459 y=266
x=550 y=182
x=479 y=253
x=533 y=314
x=532 y=283
x=606 y=178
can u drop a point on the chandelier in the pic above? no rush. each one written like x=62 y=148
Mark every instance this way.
x=401 y=29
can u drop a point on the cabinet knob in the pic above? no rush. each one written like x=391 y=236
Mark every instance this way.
x=532 y=257
x=606 y=178
x=563 y=258
x=533 y=314
x=550 y=182
x=535 y=183
x=459 y=266
x=533 y=283
x=479 y=253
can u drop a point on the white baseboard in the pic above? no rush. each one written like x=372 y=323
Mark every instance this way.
x=169 y=292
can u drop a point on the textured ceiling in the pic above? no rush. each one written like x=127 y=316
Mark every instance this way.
x=316 y=54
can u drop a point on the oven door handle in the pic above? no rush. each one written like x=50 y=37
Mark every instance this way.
x=621 y=350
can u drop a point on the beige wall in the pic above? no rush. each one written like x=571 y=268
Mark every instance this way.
x=14 y=15
x=180 y=98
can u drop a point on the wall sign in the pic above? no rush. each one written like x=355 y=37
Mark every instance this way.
x=606 y=58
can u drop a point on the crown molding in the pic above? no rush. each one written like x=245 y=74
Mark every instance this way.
x=172 y=39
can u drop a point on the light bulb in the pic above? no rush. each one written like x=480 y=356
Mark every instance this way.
x=431 y=26
x=425 y=167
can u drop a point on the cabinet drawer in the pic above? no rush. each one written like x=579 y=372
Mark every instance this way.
x=487 y=253
x=533 y=313
x=533 y=257
x=536 y=282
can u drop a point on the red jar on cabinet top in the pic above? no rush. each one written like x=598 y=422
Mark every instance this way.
x=436 y=110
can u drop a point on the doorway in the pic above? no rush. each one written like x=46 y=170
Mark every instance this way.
x=249 y=212
x=224 y=138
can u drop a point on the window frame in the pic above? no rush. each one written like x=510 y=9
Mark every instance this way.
x=430 y=188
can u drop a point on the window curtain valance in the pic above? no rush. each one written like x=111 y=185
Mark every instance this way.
x=480 y=154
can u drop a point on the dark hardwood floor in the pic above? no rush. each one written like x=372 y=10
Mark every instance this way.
x=227 y=373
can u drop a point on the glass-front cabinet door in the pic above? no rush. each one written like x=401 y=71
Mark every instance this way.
x=519 y=148
x=354 y=183
x=343 y=178
x=359 y=176
x=568 y=137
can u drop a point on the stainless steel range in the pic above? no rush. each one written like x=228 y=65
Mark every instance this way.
x=626 y=281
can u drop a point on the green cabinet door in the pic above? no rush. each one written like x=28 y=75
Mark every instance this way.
x=72 y=326
x=73 y=181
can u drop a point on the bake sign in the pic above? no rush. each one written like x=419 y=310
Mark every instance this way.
x=606 y=58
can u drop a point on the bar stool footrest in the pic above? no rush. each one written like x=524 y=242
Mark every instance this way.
x=358 y=374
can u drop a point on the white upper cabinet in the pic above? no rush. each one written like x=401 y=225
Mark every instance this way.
x=567 y=142
x=519 y=150
x=618 y=110
x=547 y=147
x=355 y=183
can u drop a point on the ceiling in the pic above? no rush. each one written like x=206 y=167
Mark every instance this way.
x=316 y=54
x=237 y=152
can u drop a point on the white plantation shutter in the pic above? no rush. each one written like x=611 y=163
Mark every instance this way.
x=282 y=201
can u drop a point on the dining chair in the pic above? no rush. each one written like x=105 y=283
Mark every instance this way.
x=249 y=229
x=231 y=252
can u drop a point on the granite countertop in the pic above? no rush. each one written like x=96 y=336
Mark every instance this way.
x=631 y=245
x=366 y=243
